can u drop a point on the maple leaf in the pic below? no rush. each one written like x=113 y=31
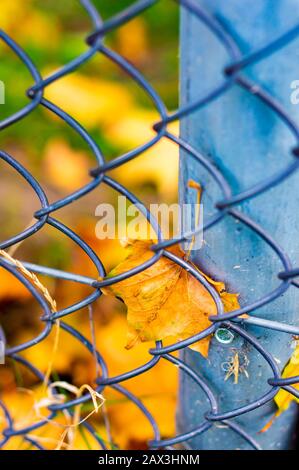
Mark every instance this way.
x=165 y=300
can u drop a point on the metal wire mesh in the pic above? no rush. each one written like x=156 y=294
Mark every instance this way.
x=232 y=76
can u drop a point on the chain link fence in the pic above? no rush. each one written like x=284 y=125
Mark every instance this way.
x=232 y=77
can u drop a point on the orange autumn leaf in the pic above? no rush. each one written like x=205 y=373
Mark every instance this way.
x=165 y=300
x=150 y=167
x=22 y=404
x=157 y=389
x=11 y=288
x=132 y=40
x=90 y=100
x=66 y=169
x=283 y=399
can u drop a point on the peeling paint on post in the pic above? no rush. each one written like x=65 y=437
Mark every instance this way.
x=247 y=142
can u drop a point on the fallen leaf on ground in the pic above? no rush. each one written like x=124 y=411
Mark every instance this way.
x=66 y=168
x=11 y=288
x=165 y=300
x=157 y=389
x=158 y=166
x=90 y=100
x=132 y=41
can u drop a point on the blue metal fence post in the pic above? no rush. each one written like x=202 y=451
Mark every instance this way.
x=248 y=143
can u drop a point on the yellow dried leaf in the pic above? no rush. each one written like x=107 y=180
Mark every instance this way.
x=157 y=388
x=165 y=300
x=91 y=101
x=284 y=398
x=158 y=166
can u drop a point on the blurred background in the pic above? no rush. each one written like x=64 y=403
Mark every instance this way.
x=119 y=116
